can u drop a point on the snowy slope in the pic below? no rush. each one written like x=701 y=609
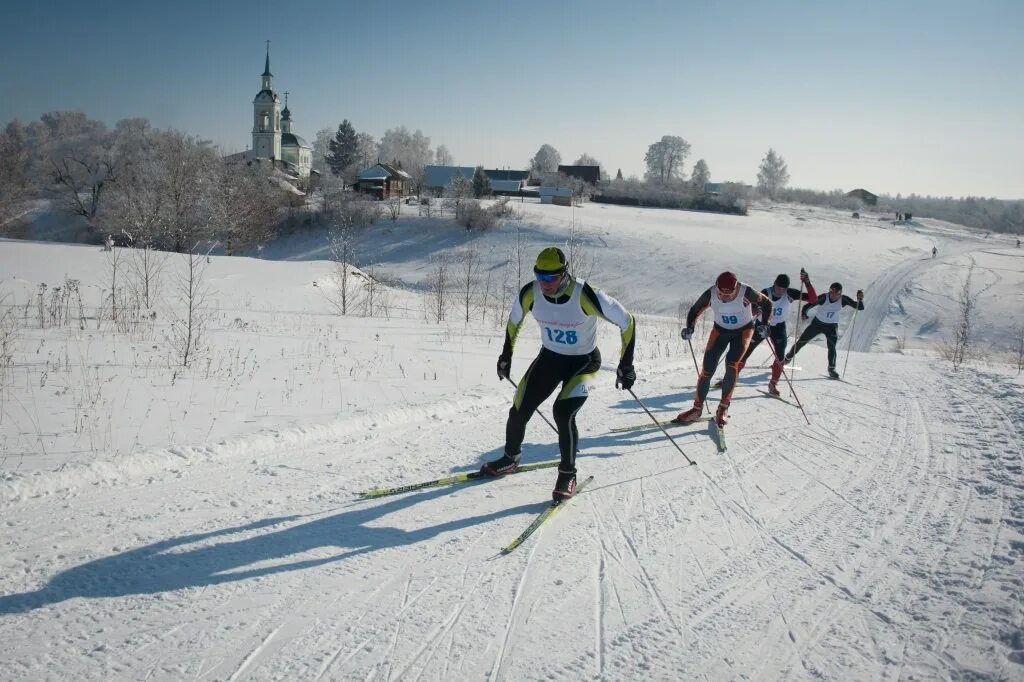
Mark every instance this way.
x=883 y=541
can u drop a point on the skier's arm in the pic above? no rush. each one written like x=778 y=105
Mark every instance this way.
x=808 y=295
x=596 y=302
x=759 y=299
x=697 y=308
x=811 y=304
x=847 y=301
x=523 y=304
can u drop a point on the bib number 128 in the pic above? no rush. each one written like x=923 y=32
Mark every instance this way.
x=561 y=336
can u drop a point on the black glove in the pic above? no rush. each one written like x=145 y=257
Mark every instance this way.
x=803 y=276
x=686 y=334
x=761 y=329
x=504 y=366
x=626 y=376
x=860 y=294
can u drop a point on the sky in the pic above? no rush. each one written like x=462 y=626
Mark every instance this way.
x=897 y=97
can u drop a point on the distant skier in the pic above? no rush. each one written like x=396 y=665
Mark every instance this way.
x=566 y=309
x=826 y=321
x=733 y=306
x=935 y=251
x=781 y=296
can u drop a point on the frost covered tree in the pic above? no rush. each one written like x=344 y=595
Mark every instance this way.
x=665 y=158
x=411 y=151
x=343 y=150
x=443 y=157
x=773 y=175
x=701 y=174
x=367 y=150
x=546 y=160
x=321 y=148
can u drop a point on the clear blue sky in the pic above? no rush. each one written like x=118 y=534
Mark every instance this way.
x=898 y=96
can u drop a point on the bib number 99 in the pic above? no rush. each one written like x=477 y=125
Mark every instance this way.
x=730 y=319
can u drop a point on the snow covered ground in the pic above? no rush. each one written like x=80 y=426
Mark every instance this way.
x=162 y=523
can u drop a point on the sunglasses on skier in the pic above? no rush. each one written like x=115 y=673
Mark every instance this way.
x=548 y=278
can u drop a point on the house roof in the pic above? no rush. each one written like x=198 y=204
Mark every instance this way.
x=507 y=185
x=555 y=191
x=292 y=140
x=383 y=171
x=591 y=174
x=441 y=176
x=507 y=174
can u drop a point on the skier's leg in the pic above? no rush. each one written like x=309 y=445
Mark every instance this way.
x=536 y=385
x=712 y=353
x=813 y=329
x=779 y=340
x=575 y=388
x=831 y=337
x=737 y=342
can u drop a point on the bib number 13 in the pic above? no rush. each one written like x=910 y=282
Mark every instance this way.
x=561 y=336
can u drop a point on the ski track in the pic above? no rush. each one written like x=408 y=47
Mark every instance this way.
x=884 y=541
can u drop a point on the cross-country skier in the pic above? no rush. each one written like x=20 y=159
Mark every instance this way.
x=781 y=297
x=826 y=321
x=566 y=309
x=733 y=306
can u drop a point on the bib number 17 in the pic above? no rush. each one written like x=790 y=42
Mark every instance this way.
x=561 y=336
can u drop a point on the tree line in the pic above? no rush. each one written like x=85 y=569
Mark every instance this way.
x=157 y=188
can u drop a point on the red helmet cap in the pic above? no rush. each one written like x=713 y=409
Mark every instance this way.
x=726 y=281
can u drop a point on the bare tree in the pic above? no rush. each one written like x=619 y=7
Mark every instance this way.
x=468 y=278
x=341 y=240
x=439 y=283
x=958 y=347
x=245 y=205
x=581 y=263
x=394 y=207
x=147 y=266
x=187 y=328
x=443 y=157
x=701 y=174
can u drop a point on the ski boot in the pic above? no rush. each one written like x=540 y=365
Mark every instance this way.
x=722 y=415
x=773 y=388
x=565 y=486
x=691 y=415
x=503 y=465
x=832 y=373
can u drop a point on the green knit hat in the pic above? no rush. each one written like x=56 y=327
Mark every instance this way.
x=550 y=261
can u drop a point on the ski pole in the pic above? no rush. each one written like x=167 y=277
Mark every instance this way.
x=694 y=356
x=553 y=427
x=788 y=380
x=853 y=326
x=661 y=427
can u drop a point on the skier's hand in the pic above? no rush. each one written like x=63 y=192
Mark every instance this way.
x=504 y=366
x=761 y=329
x=803 y=276
x=686 y=334
x=803 y=316
x=860 y=294
x=625 y=376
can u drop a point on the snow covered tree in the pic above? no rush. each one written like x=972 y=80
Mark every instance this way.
x=618 y=176
x=367 y=150
x=701 y=174
x=481 y=183
x=442 y=157
x=321 y=147
x=410 y=151
x=546 y=160
x=773 y=175
x=343 y=149
x=665 y=158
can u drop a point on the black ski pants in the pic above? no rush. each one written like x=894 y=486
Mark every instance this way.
x=831 y=332
x=545 y=373
x=777 y=333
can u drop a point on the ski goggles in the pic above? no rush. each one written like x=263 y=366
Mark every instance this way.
x=549 y=278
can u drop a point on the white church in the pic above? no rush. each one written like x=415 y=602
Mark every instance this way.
x=272 y=136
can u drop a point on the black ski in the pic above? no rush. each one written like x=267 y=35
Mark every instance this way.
x=467 y=477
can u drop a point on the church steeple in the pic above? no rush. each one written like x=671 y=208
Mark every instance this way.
x=266 y=125
x=267 y=76
x=286 y=116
